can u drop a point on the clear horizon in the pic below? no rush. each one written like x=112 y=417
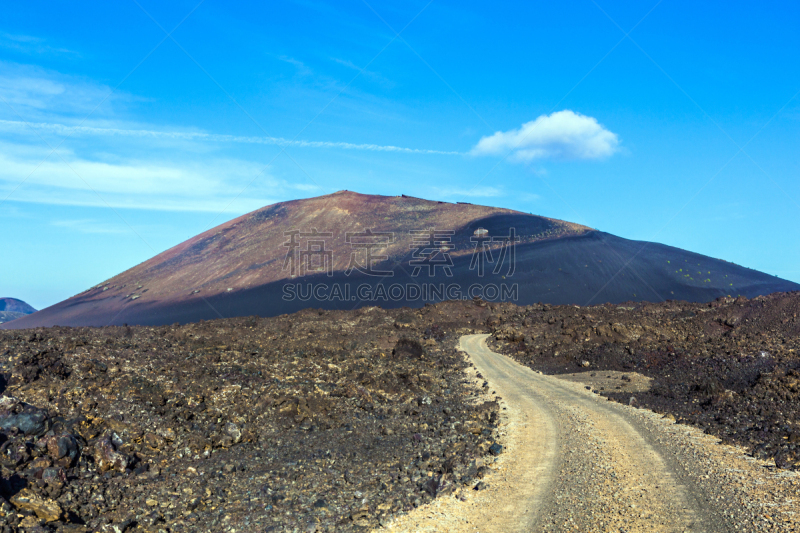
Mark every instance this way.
x=126 y=129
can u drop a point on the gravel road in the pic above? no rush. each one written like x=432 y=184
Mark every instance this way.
x=577 y=462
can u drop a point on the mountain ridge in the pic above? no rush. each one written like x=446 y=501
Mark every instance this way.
x=13 y=308
x=244 y=266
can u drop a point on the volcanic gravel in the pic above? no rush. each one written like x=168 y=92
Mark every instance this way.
x=336 y=420
x=730 y=367
x=317 y=421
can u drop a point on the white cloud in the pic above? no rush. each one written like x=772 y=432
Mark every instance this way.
x=113 y=161
x=562 y=135
x=301 y=67
x=33 y=91
x=364 y=72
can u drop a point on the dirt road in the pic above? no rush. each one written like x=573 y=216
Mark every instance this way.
x=577 y=462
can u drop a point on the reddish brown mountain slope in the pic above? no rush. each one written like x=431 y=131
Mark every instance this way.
x=238 y=269
x=249 y=251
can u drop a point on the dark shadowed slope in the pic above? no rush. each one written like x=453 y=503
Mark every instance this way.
x=11 y=308
x=240 y=268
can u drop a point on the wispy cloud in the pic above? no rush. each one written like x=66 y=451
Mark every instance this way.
x=301 y=67
x=90 y=226
x=134 y=184
x=561 y=135
x=367 y=73
x=36 y=92
x=29 y=44
x=62 y=129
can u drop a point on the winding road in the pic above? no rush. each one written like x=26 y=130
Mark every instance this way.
x=582 y=461
x=575 y=461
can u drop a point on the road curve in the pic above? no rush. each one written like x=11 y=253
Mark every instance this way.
x=577 y=462
x=581 y=463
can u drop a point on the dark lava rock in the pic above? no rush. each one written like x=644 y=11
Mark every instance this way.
x=331 y=419
x=731 y=366
x=248 y=423
x=16 y=416
x=106 y=456
x=62 y=448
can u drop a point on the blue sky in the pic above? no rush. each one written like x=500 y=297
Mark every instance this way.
x=674 y=121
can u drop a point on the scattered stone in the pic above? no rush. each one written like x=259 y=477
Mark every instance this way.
x=62 y=448
x=233 y=432
x=106 y=456
x=237 y=423
x=22 y=417
x=730 y=366
x=46 y=509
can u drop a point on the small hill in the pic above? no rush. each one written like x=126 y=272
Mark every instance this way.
x=11 y=309
x=266 y=262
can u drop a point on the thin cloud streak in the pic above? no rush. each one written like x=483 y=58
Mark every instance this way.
x=89 y=226
x=29 y=44
x=135 y=184
x=62 y=129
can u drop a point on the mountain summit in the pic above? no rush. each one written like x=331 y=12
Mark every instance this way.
x=346 y=250
x=11 y=309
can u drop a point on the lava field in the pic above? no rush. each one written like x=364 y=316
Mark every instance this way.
x=730 y=367
x=326 y=421
x=337 y=420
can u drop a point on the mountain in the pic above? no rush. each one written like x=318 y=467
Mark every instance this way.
x=298 y=254
x=11 y=309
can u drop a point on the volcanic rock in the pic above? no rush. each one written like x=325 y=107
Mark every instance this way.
x=46 y=509
x=242 y=423
x=737 y=379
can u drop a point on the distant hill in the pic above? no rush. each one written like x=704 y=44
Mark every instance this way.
x=253 y=264
x=11 y=309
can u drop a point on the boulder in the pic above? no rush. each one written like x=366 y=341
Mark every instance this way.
x=106 y=456
x=46 y=509
x=24 y=418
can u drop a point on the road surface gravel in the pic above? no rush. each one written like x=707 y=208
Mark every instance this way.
x=574 y=461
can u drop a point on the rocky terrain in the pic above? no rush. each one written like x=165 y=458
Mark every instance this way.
x=730 y=367
x=318 y=421
x=340 y=420
x=11 y=309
